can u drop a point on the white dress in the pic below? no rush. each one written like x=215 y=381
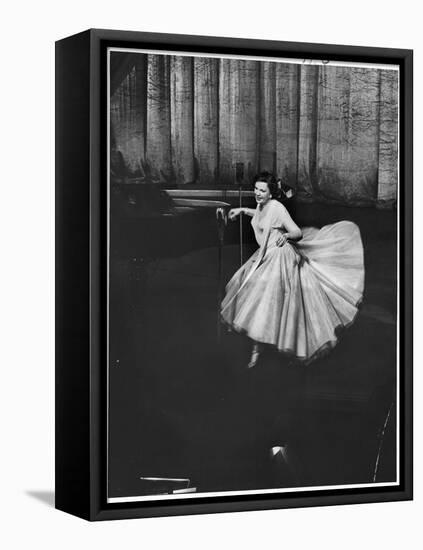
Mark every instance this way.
x=296 y=297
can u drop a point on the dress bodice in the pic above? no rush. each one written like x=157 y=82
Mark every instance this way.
x=268 y=220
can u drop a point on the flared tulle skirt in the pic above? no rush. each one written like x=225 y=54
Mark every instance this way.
x=297 y=297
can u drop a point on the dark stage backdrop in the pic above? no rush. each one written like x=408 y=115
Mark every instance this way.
x=331 y=132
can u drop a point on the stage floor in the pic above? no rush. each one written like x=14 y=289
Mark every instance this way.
x=183 y=404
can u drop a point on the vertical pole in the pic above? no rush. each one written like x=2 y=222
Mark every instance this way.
x=219 y=291
x=221 y=222
x=240 y=227
x=239 y=178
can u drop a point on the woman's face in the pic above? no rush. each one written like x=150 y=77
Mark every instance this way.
x=261 y=192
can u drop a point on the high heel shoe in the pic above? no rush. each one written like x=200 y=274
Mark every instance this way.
x=255 y=354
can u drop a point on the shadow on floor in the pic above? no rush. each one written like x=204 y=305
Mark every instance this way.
x=46 y=497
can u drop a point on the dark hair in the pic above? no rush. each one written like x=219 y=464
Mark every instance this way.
x=272 y=183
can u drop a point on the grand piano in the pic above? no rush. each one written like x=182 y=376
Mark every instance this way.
x=148 y=223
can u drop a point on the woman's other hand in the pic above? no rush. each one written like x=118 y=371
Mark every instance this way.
x=281 y=240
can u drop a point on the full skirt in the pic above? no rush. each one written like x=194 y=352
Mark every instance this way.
x=297 y=297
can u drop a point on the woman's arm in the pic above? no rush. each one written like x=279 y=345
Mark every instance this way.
x=290 y=230
x=234 y=212
x=294 y=233
x=248 y=211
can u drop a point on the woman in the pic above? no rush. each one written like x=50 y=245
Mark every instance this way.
x=299 y=287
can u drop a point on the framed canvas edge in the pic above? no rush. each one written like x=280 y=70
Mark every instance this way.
x=98 y=507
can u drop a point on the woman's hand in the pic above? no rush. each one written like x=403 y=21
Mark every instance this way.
x=234 y=212
x=281 y=240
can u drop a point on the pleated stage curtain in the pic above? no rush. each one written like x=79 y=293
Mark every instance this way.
x=330 y=132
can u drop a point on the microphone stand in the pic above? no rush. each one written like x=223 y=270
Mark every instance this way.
x=222 y=219
x=241 y=255
x=239 y=178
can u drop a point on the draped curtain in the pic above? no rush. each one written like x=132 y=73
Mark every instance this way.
x=330 y=132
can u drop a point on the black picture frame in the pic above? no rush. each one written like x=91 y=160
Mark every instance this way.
x=81 y=261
